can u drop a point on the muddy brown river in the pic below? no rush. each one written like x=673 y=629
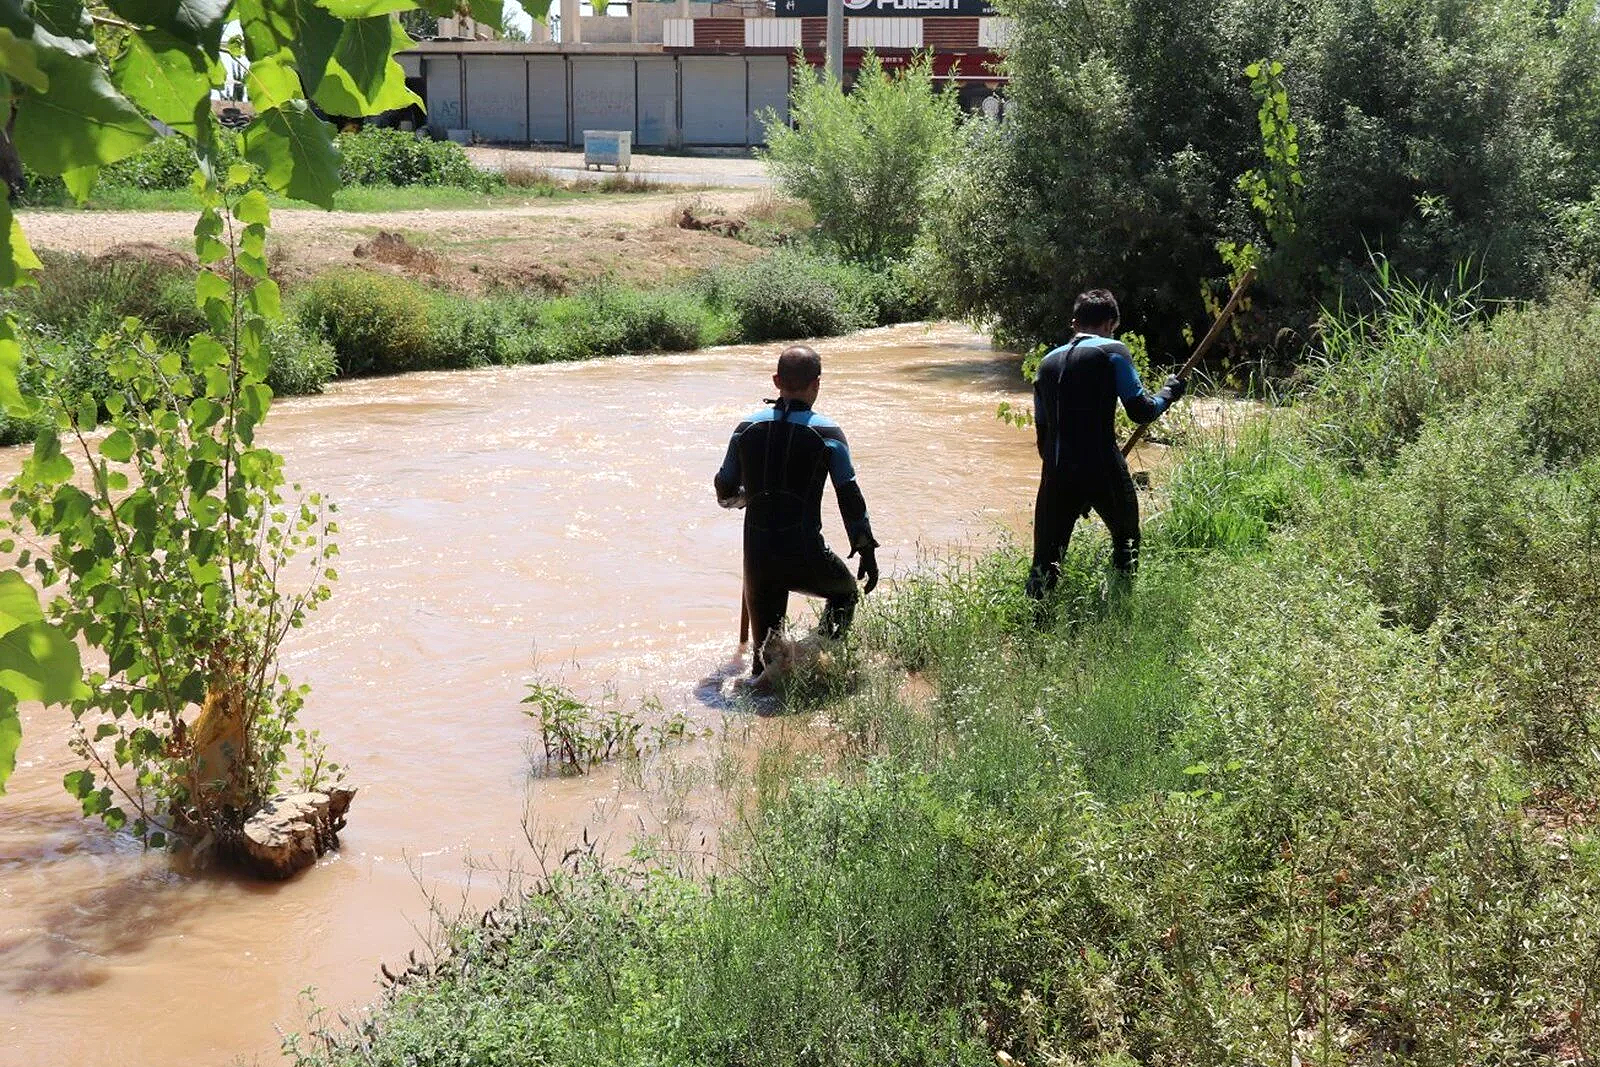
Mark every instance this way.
x=498 y=525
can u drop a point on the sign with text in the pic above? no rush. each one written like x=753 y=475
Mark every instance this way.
x=916 y=8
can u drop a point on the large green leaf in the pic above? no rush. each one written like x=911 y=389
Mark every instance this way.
x=165 y=76
x=299 y=27
x=273 y=82
x=19 y=602
x=361 y=9
x=16 y=256
x=19 y=62
x=196 y=22
x=295 y=153
x=38 y=662
x=81 y=122
x=364 y=78
x=10 y=737
x=11 y=400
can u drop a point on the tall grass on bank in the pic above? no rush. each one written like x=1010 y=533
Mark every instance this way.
x=1319 y=789
x=383 y=324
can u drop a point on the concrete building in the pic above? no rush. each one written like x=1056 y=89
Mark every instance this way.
x=683 y=74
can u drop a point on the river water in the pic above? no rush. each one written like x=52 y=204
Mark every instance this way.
x=497 y=525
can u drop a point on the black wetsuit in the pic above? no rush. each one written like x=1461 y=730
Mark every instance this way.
x=1075 y=406
x=777 y=463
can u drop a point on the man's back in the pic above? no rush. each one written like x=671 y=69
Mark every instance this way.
x=779 y=459
x=1075 y=401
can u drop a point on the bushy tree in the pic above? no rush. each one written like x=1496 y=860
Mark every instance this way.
x=862 y=160
x=1432 y=132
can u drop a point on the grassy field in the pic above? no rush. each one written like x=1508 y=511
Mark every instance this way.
x=369 y=198
x=1318 y=790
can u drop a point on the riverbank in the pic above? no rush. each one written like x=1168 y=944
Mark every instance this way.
x=395 y=312
x=1318 y=790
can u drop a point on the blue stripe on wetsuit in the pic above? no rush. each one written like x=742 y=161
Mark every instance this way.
x=840 y=468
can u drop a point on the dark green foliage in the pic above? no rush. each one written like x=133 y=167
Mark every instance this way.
x=1430 y=132
x=374 y=156
x=376 y=323
x=862 y=159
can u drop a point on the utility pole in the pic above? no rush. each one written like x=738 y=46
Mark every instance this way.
x=836 y=41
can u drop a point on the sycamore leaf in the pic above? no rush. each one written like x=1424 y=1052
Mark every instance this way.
x=165 y=76
x=309 y=32
x=363 y=78
x=19 y=602
x=17 y=62
x=81 y=122
x=361 y=9
x=272 y=82
x=10 y=737
x=196 y=22
x=16 y=256
x=38 y=662
x=295 y=152
x=11 y=400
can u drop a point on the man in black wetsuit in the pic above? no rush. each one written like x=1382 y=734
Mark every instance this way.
x=1074 y=406
x=776 y=465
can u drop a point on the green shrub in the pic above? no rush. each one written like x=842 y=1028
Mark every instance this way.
x=862 y=160
x=791 y=295
x=377 y=324
x=1126 y=133
x=376 y=156
x=302 y=361
x=164 y=163
x=1458 y=513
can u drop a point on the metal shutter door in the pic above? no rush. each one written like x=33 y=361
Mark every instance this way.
x=658 y=102
x=547 y=99
x=498 y=89
x=769 y=89
x=602 y=95
x=714 y=100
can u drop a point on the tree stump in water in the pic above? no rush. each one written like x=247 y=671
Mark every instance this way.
x=288 y=833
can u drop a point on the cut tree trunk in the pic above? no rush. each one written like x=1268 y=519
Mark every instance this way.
x=288 y=833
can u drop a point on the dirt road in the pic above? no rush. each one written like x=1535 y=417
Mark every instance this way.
x=552 y=245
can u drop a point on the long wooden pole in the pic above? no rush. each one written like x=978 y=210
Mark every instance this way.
x=1204 y=346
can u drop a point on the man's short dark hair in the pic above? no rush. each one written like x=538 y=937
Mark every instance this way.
x=1095 y=308
x=798 y=366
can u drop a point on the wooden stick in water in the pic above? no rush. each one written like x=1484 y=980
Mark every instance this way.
x=1204 y=346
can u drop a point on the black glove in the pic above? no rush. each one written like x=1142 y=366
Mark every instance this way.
x=1174 y=389
x=868 y=569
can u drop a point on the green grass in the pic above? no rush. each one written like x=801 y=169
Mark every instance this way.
x=1291 y=798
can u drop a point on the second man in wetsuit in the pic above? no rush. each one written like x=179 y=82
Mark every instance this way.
x=775 y=468
x=1075 y=405
x=776 y=464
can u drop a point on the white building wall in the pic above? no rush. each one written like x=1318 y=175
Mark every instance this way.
x=994 y=33
x=884 y=33
x=771 y=33
x=677 y=33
